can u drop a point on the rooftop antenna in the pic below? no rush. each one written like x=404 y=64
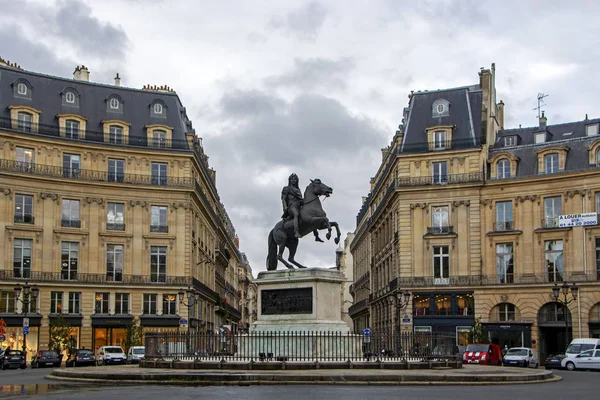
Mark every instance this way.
x=540 y=102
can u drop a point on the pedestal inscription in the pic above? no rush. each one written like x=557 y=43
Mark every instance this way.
x=287 y=301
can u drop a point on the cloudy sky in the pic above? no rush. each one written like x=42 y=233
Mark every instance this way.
x=312 y=87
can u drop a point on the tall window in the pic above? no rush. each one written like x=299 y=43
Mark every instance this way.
x=503 y=169
x=69 y=260
x=115 y=217
x=440 y=173
x=23 y=209
x=114 y=262
x=159 y=173
x=7 y=302
x=122 y=303
x=101 y=303
x=32 y=306
x=440 y=219
x=598 y=258
x=510 y=141
x=70 y=214
x=158 y=264
x=116 y=170
x=56 y=299
x=552 y=210
x=597 y=198
x=553 y=250
x=24 y=121
x=598 y=158
x=115 y=134
x=71 y=165
x=72 y=127
x=506 y=312
x=150 y=304
x=551 y=163
x=158 y=219
x=439 y=140
x=24 y=160
x=74 y=302
x=441 y=265
x=169 y=304
x=159 y=138
x=22 y=258
x=504 y=262
x=504 y=217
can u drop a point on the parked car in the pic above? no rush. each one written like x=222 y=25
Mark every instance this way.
x=110 y=355
x=521 y=357
x=81 y=357
x=589 y=359
x=135 y=354
x=553 y=361
x=577 y=347
x=12 y=358
x=477 y=353
x=46 y=358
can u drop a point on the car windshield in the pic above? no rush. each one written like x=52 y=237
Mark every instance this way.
x=478 y=347
x=517 y=352
x=48 y=354
x=138 y=351
x=113 y=350
x=84 y=353
x=577 y=348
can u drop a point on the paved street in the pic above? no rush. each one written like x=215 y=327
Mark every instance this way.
x=581 y=385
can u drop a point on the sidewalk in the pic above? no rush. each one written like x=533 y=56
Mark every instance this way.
x=469 y=375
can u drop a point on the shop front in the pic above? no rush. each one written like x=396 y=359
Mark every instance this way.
x=109 y=330
x=14 y=337
x=514 y=334
x=74 y=320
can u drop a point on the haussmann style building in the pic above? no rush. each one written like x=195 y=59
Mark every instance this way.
x=466 y=216
x=110 y=209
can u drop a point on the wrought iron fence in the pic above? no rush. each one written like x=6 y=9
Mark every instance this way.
x=78 y=277
x=300 y=346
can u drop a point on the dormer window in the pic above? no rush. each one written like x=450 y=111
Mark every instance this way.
x=591 y=130
x=70 y=97
x=440 y=108
x=114 y=103
x=22 y=89
x=510 y=141
x=503 y=169
x=158 y=108
x=551 y=163
x=540 y=137
x=439 y=140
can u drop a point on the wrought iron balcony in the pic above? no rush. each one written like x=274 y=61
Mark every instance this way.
x=504 y=226
x=70 y=223
x=456 y=144
x=110 y=226
x=85 y=278
x=24 y=219
x=159 y=228
x=472 y=177
x=550 y=222
x=440 y=230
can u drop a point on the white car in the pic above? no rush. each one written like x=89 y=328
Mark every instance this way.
x=135 y=354
x=110 y=355
x=521 y=357
x=589 y=359
x=577 y=347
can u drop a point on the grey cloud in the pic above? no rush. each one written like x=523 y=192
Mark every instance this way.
x=307 y=74
x=304 y=22
x=242 y=103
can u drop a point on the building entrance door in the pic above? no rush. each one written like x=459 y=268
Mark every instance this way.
x=552 y=340
x=108 y=337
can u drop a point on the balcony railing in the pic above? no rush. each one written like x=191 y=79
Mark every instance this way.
x=456 y=144
x=91 y=175
x=70 y=223
x=550 y=222
x=472 y=177
x=110 y=226
x=504 y=226
x=73 y=276
x=159 y=228
x=24 y=219
x=440 y=230
x=88 y=135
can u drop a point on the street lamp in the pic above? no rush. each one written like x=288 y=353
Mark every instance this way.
x=565 y=301
x=193 y=298
x=30 y=294
x=399 y=300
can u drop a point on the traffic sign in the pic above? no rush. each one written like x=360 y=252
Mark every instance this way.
x=25 y=330
x=367 y=332
x=25 y=322
x=183 y=321
x=2 y=338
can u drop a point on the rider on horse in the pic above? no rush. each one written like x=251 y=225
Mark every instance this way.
x=292 y=200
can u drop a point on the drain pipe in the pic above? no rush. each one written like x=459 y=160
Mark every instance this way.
x=584 y=266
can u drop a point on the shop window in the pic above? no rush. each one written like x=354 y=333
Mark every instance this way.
x=465 y=304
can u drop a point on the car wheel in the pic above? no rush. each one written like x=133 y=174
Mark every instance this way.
x=570 y=366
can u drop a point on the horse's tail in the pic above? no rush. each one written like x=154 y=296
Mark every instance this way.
x=272 y=254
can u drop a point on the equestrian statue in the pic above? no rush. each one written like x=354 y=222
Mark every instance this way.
x=301 y=216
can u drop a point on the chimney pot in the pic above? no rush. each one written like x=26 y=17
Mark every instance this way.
x=81 y=74
x=543 y=121
x=117 y=80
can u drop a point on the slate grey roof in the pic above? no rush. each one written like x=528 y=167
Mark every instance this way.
x=571 y=135
x=464 y=114
x=46 y=96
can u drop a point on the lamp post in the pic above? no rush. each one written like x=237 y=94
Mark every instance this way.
x=30 y=294
x=193 y=298
x=399 y=300
x=565 y=301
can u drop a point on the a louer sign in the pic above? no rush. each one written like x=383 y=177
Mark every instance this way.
x=587 y=219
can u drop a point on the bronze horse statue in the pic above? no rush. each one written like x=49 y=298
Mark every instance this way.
x=312 y=216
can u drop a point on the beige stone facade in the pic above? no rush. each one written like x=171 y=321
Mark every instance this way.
x=469 y=224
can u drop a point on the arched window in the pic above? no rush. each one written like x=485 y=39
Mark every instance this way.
x=70 y=97
x=22 y=89
x=503 y=169
x=114 y=103
x=158 y=108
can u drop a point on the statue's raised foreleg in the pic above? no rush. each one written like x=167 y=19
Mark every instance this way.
x=292 y=247
x=337 y=228
x=280 y=256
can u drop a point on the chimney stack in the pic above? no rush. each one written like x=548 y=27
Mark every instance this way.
x=543 y=121
x=81 y=74
x=117 y=80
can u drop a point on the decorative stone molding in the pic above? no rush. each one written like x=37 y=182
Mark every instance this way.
x=185 y=205
x=45 y=195
x=532 y=198
x=141 y=203
x=96 y=200
x=461 y=160
x=179 y=163
x=94 y=156
x=458 y=203
x=418 y=205
x=571 y=193
x=6 y=192
x=35 y=230
x=148 y=241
